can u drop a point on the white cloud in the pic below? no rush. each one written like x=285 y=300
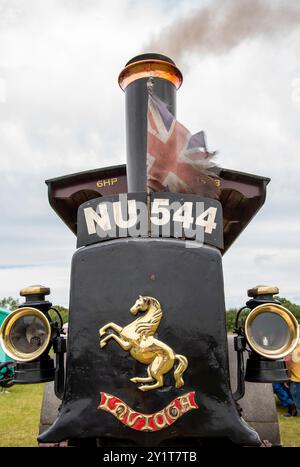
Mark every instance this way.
x=64 y=112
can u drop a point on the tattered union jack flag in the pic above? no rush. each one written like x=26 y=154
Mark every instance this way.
x=177 y=161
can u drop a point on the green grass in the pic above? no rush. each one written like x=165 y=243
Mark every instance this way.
x=20 y=416
x=289 y=429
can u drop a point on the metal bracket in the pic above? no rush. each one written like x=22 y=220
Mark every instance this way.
x=240 y=347
x=59 y=347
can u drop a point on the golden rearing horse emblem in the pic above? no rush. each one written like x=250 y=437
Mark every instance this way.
x=138 y=339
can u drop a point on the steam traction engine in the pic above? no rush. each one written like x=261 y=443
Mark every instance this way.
x=147 y=348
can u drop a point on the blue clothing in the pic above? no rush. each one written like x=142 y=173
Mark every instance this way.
x=295 y=392
x=283 y=394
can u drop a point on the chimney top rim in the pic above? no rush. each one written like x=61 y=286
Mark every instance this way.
x=150 y=67
x=150 y=56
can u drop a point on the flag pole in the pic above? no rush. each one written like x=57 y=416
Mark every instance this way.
x=150 y=84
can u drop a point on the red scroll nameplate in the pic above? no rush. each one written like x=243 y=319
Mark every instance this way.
x=148 y=422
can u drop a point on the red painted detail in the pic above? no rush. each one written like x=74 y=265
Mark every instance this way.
x=147 y=422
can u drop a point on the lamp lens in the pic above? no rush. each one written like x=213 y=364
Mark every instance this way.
x=270 y=331
x=28 y=334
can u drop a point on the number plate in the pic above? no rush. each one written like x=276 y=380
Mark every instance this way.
x=166 y=215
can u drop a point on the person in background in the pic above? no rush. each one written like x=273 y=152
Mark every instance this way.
x=293 y=365
x=283 y=393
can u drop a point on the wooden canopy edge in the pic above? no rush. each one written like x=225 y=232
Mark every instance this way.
x=242 y=195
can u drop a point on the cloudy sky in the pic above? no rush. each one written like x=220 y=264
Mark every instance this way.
x=61 y=111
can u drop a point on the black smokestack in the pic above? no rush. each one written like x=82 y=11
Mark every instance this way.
x=133 y=80
x=224 y=24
